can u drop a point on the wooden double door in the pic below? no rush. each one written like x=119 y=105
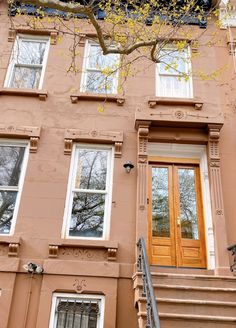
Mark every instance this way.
x=176 y=225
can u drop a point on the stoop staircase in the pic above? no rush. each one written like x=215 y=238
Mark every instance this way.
x=188 y=299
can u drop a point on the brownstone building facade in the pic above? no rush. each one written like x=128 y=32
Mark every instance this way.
x=71 y=213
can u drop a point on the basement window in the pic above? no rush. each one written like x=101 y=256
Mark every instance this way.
x=71 y=310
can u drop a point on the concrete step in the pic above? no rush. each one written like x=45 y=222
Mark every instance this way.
x=186 y=321
x=190 y=280
x=195 y=293
x=193 y=307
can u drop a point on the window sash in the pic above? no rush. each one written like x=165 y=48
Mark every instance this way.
x=171 y=83
x=72 y=190
x=87 y=68
x=11 y=194
x=15 y=64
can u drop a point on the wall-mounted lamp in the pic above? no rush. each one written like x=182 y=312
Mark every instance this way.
x=128 y=166
x=33 y=268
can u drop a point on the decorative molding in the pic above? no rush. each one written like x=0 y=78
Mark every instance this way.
x=3 y=250
x=53 y=251
x=111 y=254
x=143 y=133
x=97 y=97
x=53 y=34
x=96 y=136
x=79 y=285
x=41 y=94
x=13 y=249
x=174 y=116
x=11 y=35
x=197 y=104
x=68 y=143
x=9 y=246
x=83 y=254
x=84 y=251
x=214 y=165
x=194 y=45
x=28 y=132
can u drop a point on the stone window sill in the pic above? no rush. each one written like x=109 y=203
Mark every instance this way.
x=41 y=94
x=196 y=103
x=110 y=246
x=97 y=97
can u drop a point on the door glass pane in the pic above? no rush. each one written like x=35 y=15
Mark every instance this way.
x=188 y=204
x=160 y=202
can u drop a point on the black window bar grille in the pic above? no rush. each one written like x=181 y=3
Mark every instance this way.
x=77 y=313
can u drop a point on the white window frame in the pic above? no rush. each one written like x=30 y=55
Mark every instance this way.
x=96 y=298
x=86 y=69
x=14 y=54
x=186 y=86
x=16 y=143
x=107 y=192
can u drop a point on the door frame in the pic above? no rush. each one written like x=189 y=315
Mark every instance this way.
x=175 y=241
x=197 y=154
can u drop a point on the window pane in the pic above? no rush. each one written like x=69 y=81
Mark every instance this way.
x=172 y=86
x=98 y=61
x=188 y=204
x=76 y=313
x=160 y=202
x=99 y=83
x=29 y=52
x=173 y=62
x=7 y=204
x=25 y=77
x=87 y=215
x=92 y=169
x=11 y=159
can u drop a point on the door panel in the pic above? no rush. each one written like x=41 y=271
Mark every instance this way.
x=176 y=228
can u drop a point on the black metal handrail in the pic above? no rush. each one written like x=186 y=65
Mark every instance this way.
x=153 y=320
x=232 y=249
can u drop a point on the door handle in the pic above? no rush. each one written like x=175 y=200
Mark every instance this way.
x=178 y=221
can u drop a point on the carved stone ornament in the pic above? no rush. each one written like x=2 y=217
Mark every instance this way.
x=194 y=44
x=13 y=249
x=27 y=132
x=95 y=136
x=143 y=133
x=53 y=251
x=12 y=32
x=111 y=254
x=79 y=285
x=214 y=163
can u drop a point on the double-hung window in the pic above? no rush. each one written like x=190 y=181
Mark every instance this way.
x=89 y=196
x=174 y=73
x=100 y=72
x=12 y=158
x=28 y=62
x=71 y=310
